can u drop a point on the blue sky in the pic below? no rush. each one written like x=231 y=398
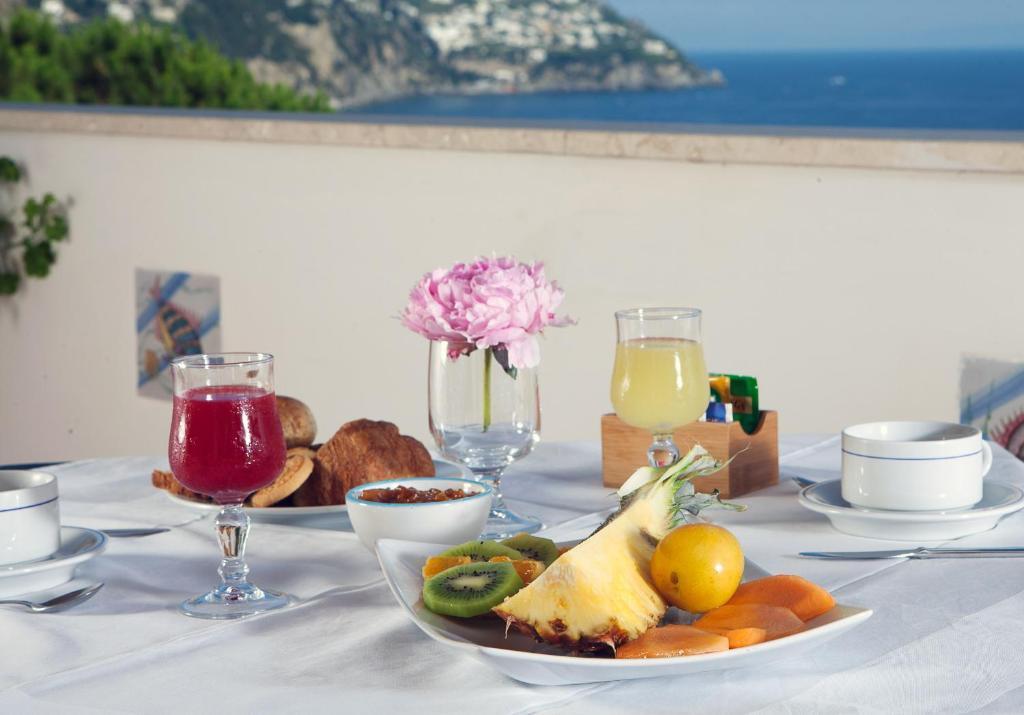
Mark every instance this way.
x=708 y=25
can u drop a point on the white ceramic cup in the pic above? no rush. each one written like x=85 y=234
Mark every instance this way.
x=914 y=466
x=29 y=516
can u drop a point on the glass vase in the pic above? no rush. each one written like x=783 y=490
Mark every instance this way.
x=484 y=417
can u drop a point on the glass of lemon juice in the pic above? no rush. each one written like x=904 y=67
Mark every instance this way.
x=660 y=381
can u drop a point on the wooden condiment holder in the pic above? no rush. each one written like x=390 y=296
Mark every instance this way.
x=756 y=463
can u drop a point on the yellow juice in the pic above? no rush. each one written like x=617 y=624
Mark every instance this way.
x=659 y=383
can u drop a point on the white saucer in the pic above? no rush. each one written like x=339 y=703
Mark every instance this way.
x=999 y=499
x=77 y=545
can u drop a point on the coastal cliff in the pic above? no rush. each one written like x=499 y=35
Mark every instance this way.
x=361 y=51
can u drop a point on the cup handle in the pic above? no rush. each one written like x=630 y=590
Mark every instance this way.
x=986 y=458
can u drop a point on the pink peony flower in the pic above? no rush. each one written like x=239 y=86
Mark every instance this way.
x=491 y=303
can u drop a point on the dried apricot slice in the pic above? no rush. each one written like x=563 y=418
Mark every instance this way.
x=437 y=564
x=528 y=569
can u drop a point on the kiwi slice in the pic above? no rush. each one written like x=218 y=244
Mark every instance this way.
x=482 y=551
x=534 y=547
x=471 y=589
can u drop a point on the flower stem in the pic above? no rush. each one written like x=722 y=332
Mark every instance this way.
x=488 y=355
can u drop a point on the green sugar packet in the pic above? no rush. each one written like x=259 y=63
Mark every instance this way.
x=741 y=391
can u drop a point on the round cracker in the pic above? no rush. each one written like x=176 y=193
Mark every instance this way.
x=302 y=452
x=297 y=469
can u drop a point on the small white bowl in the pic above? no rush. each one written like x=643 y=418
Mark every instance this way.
x=29 y=516
x=440 y=522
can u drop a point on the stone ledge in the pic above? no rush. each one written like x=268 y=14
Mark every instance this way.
x=921 y=151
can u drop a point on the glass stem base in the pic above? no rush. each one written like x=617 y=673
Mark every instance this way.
x=236 y=601
x=663 y=452
x=236 y=596
x=502 y=522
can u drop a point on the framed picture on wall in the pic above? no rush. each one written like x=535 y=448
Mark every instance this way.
x=176 y=313
x=992 y=399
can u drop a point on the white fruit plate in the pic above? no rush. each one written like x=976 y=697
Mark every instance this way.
x=524 y=659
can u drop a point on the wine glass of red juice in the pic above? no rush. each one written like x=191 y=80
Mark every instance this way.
x=226 y=442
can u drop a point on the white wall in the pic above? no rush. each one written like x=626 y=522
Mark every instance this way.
x=851 y=294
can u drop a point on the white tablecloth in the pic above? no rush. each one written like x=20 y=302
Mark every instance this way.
x=946 y=635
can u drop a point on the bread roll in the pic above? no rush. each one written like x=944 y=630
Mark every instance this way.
x=297 y=422
x=362 y=451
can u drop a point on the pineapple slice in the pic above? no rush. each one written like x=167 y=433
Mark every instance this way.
x=600 y=594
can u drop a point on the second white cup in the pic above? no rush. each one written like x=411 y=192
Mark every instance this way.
x=29 y=516
x=914 y=466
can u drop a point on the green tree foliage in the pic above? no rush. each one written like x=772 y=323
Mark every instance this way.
x=107 y=62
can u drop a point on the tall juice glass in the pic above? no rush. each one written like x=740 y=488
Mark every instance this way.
x=226 y=442
x=660 y=381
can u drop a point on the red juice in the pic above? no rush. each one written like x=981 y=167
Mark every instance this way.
x=226 y=441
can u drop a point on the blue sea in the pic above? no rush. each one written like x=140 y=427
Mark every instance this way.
x=951 y=89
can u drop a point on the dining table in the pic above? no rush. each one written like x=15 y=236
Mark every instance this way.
x=946 y=635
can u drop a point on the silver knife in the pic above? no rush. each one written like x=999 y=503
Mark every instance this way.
x=921 y=553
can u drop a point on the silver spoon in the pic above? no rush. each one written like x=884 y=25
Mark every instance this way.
x=135 y=532
x=57 y=603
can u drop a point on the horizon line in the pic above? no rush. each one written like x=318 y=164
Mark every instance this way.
x=838 y=50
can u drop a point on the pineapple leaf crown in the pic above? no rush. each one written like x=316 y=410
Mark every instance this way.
x=675 y=483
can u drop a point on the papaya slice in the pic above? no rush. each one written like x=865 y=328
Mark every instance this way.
x=775 y=620
x=807 y=600
x=672 y=640
x=743 y=637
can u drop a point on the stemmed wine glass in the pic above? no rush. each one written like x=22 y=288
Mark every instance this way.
x=226 y=442
x=660 y=381
x=484 y=418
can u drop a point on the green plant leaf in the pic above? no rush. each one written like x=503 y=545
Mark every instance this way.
x=38 y=258
x=9 y=281
x=32 y=210
x=9 y=171
x=57 y=228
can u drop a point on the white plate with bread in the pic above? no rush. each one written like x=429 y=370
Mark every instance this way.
x=443 y=469
x=316 y=478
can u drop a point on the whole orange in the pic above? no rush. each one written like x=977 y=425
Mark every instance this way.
x=697 y=567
